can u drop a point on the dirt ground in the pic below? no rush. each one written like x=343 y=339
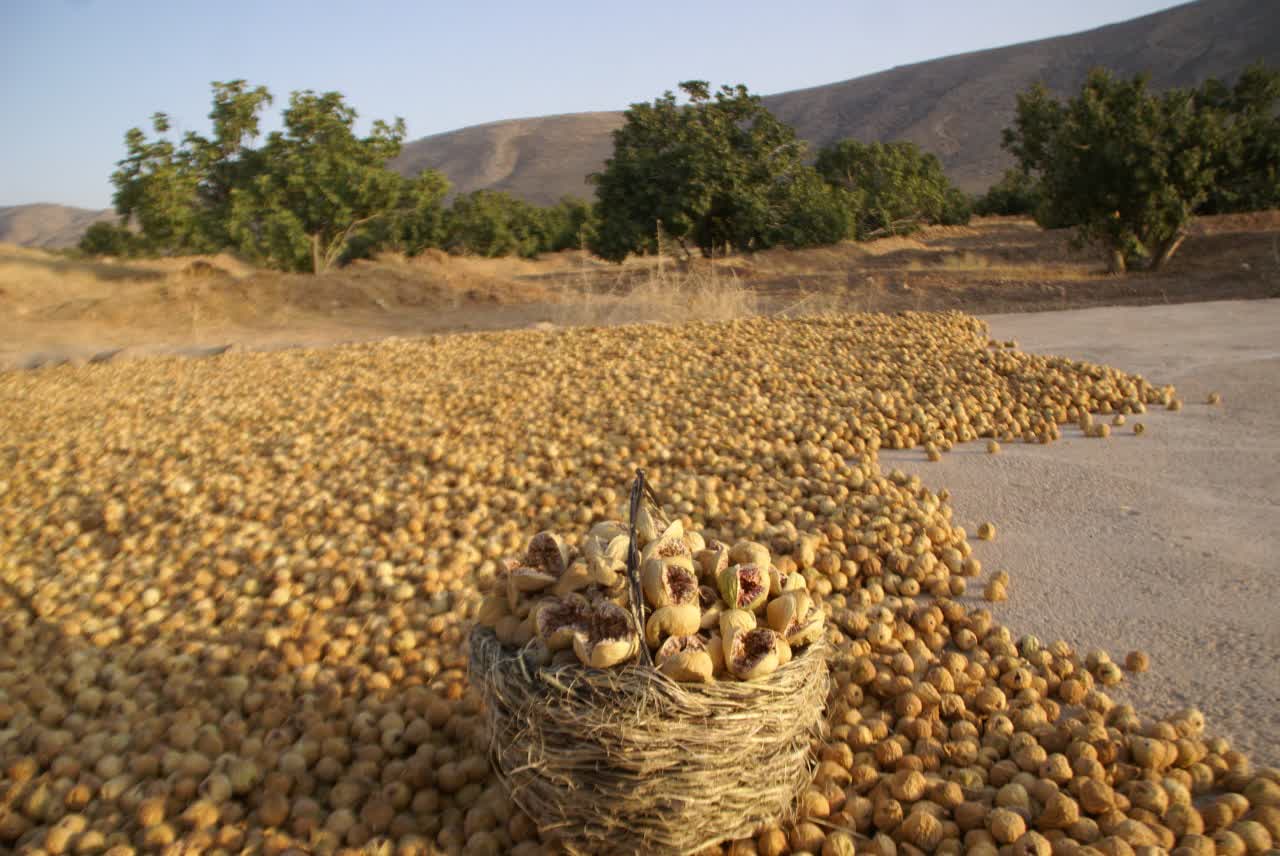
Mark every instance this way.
x=53 y=308
x=1165 y=542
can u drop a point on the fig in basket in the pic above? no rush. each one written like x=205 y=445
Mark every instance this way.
x=685 y=659
x=712 y=606
x=599 y=546
x=668 y=581
x=557 y=619
x=548 y=554
x=673 y=620
x=711 y=560
x=750 y=553
x=795 y=617
x=607 y=638
x=668 y=545
x=780 y=582
x=744 y=586
x=753 y=654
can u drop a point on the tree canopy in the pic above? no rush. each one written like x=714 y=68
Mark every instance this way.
x=1125 y=166
x=720 y=171
x=1247 y=163
x=891 y=187
x=300 y=201
x=318 y=183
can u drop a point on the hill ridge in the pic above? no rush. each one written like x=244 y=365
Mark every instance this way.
x=954 y=106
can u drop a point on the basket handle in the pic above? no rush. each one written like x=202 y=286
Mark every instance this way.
x=640 y=490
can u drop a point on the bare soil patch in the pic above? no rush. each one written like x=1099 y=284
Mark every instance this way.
x=55 y=308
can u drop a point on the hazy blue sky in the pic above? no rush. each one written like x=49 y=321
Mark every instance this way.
x=77 y=73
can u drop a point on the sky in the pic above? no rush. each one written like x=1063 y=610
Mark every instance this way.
x=76 y=74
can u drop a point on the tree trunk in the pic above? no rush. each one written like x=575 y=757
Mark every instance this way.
x=1115 y=262
x=317 y=255
x=1166 y=251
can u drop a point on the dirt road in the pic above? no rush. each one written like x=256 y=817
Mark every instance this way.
x=1167 y=542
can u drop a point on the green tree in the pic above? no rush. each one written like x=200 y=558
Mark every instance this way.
x=111 y=239
x=178 y=195
x=226 y=161
x=720 y=171
x=895 y=186
x=1125 y=166
x=565 y=225
x=1247 y=164
x=317 y=184
x=492 y=223
x=1016 y=193
x=415 y=222
x=156 y=186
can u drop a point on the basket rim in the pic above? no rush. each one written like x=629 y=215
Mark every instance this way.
x=812 y=657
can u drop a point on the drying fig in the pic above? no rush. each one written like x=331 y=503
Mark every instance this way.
x=736 y=619
x=744 y=586
x=685 y=659
x=752 y=654
x=666 y=583
x=749 y=553
x=668 y=545
x=608 y=638
x=1059 y=812
x=576 y=578
x=1137 y=661
x=673 y=620
x=794 y=616
x=712 y=559
x=547 y=552
x=556 y=620
x=711 y=605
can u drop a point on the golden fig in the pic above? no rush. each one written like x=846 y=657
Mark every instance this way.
x=744 y=586
x=752 y=654
x=547 y=552
x=609 y=637
x=750 y=553
x=665 y=583
x=556 y=620
x=673 y=620
x=685 y=659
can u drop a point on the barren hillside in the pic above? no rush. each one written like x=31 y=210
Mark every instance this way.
x=46 y=225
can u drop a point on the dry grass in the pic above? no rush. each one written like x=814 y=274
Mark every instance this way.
x=664 y=295
x=52 y=304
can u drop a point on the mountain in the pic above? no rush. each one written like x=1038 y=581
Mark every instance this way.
x=47 y=225
x=954 y=107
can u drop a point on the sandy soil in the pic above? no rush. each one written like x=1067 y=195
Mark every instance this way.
x=1167 y=542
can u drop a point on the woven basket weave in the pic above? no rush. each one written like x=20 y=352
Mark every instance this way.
x=626 y=760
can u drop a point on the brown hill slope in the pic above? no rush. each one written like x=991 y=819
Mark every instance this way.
x=954 y=107
x=47 y=225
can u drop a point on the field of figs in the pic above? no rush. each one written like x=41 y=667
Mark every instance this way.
x=235 y=593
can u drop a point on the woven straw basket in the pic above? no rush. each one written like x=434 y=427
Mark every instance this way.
x=627 y=760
